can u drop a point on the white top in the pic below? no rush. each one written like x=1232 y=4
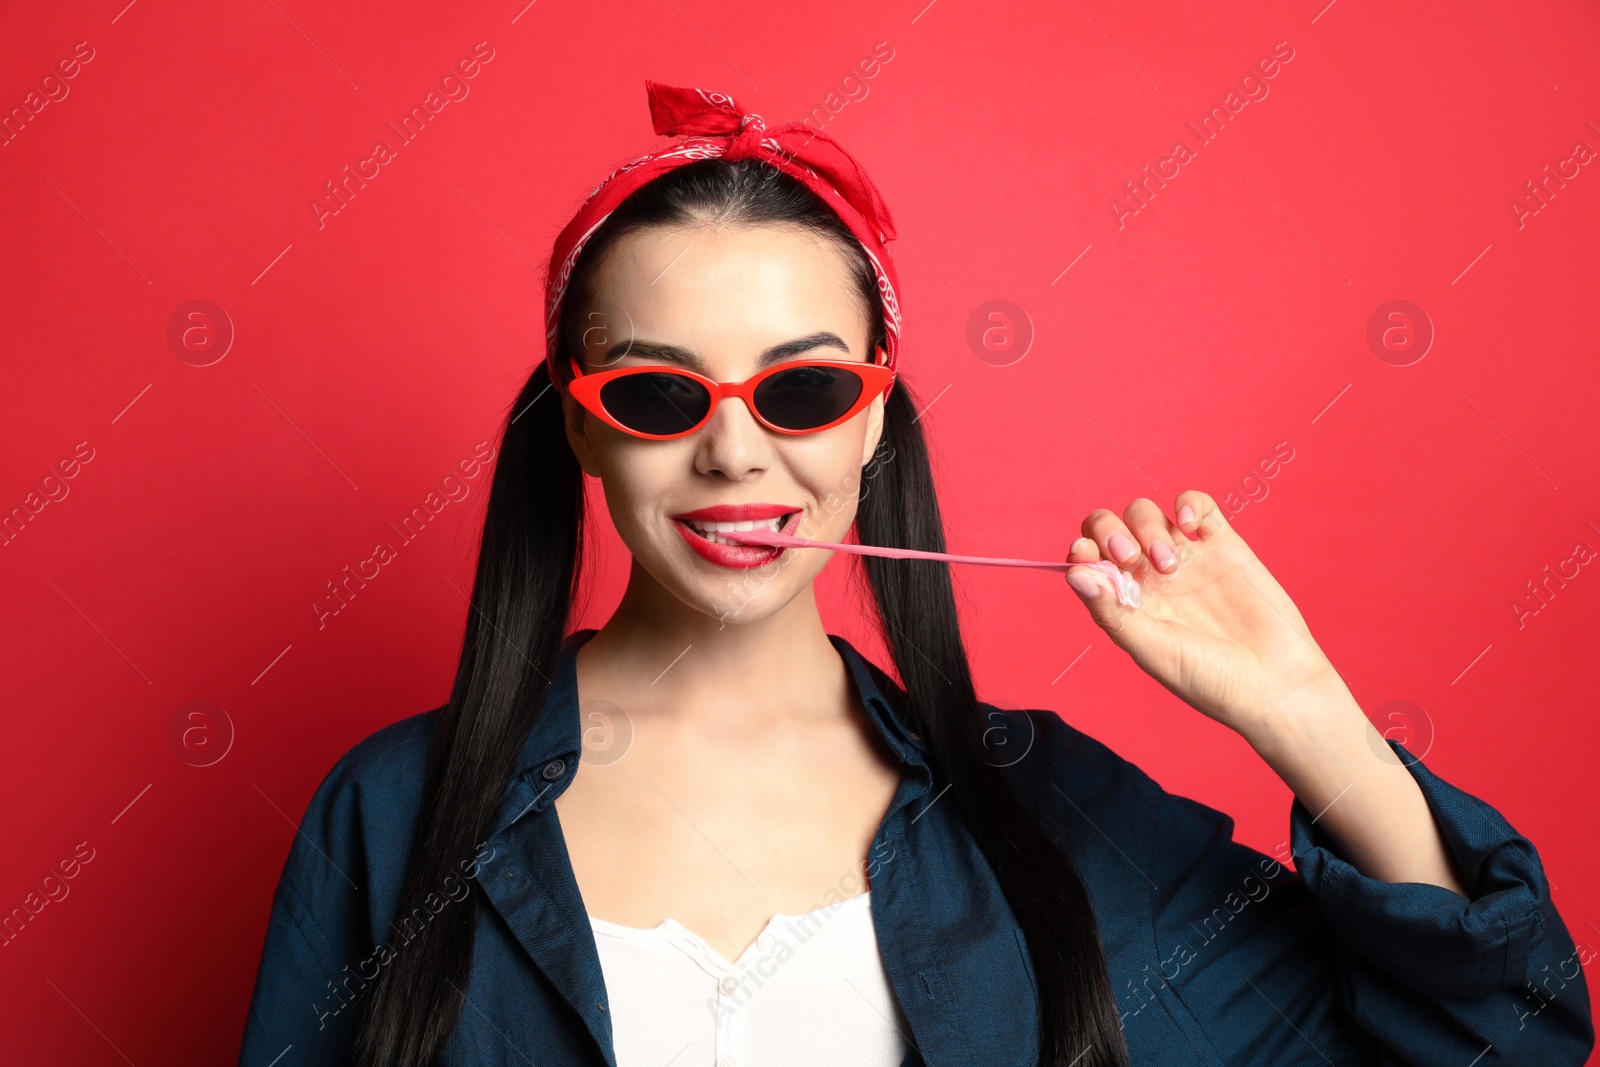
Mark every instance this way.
x=811 y=989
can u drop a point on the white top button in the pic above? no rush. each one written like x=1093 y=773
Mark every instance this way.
x=725 y=1061
x=729 y=985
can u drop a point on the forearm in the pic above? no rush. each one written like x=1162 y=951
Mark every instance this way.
x=1356 y=789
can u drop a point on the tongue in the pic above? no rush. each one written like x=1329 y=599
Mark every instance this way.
x=1127 y=587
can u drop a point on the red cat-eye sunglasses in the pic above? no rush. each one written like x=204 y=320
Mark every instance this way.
x=663 y=403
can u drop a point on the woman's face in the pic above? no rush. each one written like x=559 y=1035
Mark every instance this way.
x=724 y=296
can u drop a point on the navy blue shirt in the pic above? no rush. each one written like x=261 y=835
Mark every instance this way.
x=1218 y=954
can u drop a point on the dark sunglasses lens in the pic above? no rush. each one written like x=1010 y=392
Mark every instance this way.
x=807 y=397
x=658 y=403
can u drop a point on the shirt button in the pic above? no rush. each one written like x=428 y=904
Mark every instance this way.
x=764 y=942
x=729 y=985
x=726 y=1061
x=554 y=769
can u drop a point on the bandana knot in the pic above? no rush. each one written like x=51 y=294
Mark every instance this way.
x=748 y=140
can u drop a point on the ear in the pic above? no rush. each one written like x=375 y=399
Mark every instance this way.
x=874 y=429
x=874 y=413
x=577 y=422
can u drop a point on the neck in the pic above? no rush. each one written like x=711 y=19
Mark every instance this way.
x=657 y=655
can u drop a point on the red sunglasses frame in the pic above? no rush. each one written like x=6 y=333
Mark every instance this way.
x=585 y=389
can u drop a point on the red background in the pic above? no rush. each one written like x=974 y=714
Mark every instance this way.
x=1227 y=315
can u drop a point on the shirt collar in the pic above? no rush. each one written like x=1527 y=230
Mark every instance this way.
x=550 y=753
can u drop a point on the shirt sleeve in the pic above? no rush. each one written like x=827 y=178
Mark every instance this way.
x=323 y=950
x=317 y=959
x=1366 y=971
x=297 y=1015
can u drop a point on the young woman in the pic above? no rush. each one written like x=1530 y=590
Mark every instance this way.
x=710 y=833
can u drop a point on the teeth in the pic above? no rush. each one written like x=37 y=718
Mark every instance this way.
x=713 y=530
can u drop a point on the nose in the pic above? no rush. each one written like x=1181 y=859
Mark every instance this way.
x=732 y=442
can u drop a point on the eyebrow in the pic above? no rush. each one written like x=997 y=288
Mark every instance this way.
x=684 y=357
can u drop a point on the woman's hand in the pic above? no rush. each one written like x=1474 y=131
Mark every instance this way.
x=1214 y=626
x=1217 y=629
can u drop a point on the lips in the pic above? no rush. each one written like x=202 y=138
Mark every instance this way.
x=700 y=528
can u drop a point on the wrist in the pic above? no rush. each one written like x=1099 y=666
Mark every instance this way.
x=1320 y=718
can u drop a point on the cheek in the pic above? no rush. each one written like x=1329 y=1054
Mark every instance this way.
x=636 y=479
x=830 y=473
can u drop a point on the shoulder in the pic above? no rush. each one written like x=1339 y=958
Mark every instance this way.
x=388 y=761
x=351 y=848
x=1053 y=765
x=336 y=894
x=379 y=773
x=1101 y=806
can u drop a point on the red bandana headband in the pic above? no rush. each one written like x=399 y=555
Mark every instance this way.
x=711 y=126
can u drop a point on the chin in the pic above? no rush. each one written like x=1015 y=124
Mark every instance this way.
x=740 y=597
x=739 y=602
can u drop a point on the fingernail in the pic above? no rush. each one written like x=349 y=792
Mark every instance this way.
x=1122 y=547
x=1083 y=541
x=1086 y=586
x=1164 y=559
x=1185 y=515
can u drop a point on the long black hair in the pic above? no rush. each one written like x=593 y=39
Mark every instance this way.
x=528 y=570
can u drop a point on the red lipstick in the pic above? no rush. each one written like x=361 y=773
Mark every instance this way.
x=735 y=556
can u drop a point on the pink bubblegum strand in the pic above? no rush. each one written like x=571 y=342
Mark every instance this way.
x=1127 y=589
